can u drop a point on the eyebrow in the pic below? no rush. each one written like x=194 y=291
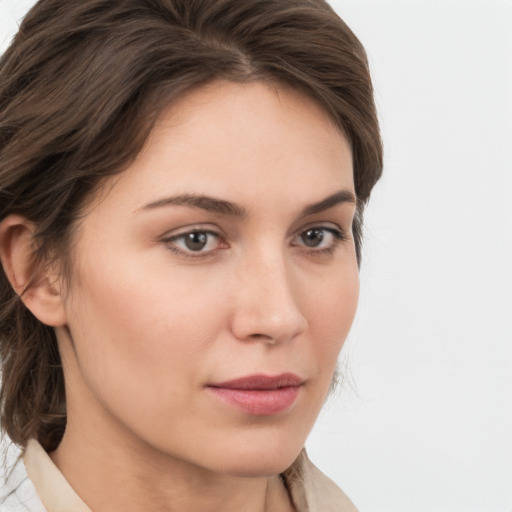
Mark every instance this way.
x=212 y=204
x=343 y=196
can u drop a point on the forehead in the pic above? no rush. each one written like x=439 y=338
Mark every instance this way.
x=241 y=142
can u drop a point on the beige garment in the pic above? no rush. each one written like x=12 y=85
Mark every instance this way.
x=311 y=490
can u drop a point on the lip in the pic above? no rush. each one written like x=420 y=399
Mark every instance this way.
x=260 y=395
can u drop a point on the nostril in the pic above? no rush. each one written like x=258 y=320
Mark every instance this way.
x=263 y=337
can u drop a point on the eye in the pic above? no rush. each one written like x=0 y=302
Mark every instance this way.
x=197 y=242
x=320 y=238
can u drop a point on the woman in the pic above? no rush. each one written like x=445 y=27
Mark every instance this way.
x=182 y=185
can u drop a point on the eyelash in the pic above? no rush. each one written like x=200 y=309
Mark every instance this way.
x=338 y=236
x=170 y=243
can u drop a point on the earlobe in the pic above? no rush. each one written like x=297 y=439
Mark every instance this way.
x=33 y=284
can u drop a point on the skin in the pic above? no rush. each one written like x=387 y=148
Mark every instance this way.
x=146 y=324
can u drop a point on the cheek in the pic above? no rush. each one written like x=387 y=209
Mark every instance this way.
x=132 y=325
x=331 y=313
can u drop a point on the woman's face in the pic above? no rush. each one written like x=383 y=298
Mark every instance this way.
x=214 y=283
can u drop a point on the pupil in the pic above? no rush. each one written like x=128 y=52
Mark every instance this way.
x=196 y=241
x=313 y=237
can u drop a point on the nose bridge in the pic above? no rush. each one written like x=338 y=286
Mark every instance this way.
x=267 y=305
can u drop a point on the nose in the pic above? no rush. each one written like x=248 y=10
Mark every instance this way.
x=266 y=304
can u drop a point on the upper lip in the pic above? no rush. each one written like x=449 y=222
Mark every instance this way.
x=261 y=382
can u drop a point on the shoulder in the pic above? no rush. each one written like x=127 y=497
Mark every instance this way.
x=17 y=493
x=312 y=491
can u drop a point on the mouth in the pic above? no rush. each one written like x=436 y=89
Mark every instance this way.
x=260 y=395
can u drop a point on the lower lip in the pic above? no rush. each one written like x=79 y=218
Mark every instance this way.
x=259 y=402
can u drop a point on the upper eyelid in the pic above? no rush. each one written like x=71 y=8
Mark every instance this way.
x=327 y=225
x=215 y=230
x=183 y=233
x=184 y=230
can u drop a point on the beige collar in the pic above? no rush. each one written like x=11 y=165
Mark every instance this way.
x=51 y=486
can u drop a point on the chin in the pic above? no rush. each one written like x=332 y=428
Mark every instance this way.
x=262 y=461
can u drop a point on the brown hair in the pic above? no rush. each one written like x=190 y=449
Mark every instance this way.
x=80 y=88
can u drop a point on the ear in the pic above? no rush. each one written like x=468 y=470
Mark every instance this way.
x=37 y=288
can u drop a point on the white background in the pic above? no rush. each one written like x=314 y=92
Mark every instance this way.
x=424 y=419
